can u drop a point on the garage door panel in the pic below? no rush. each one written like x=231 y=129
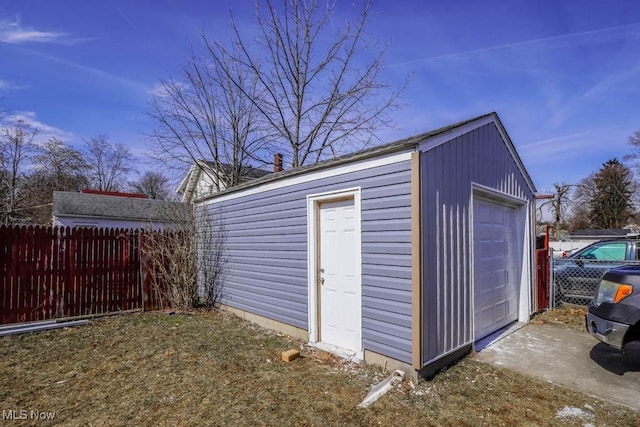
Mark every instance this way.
x=495 y=266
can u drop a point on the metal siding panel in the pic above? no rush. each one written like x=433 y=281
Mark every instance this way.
x=380 y=329
x=399 y=224
x=377 y=236
x=399 y=189
x=386 y=248
x=239 y=265
x=384 y=316
x=251 y=276
x=289 y=299
x=373 y=301
x=388 y=271
x=448 y=170
x=386 y=259
x=388 y=294
x=267 y=253
x=292 y=249
x=276 y=259
x=393 y=201
x=393 y=283
x=380 y=343
x=383 y=214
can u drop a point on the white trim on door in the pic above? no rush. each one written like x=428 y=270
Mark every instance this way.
x=522 y=207
x=313 y=203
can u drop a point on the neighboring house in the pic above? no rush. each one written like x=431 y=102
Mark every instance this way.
x=203 y=179
x=405 y=254
x=114 y=210
x=578 y=239
x=600 y=234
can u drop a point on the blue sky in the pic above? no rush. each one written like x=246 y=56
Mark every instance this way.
x=564 y=76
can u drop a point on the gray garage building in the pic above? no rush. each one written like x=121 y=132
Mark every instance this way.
x=404 y=254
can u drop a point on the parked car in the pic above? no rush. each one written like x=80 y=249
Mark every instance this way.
x=578 y=275
x=613 y=316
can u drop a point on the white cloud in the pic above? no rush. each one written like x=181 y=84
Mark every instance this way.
x=576 y=37
x=160 y=89
x=15 y=33
x=6 y=85
x=45 y=131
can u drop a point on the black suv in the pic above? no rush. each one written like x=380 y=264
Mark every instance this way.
x=613 y=316
x=578 y=275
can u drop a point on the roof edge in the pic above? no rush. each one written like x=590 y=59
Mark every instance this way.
x=380 y=150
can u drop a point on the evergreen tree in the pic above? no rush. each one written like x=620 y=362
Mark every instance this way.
x=611 y=206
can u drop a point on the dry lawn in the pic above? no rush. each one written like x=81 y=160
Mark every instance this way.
x=213 y=369
x=568 y=316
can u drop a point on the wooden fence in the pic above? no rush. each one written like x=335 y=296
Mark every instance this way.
x=53 y=272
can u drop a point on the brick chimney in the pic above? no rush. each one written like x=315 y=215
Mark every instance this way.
x=277 y=163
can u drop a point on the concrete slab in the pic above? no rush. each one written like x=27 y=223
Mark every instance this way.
x=572 y=359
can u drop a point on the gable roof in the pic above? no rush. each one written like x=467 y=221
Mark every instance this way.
x=189 y=182
x=425 y=141
x=601 y=232
x=71 y=204
x=246 y=172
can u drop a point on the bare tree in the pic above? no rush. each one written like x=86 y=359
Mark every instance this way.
x=188 y=261
x=16 y=144
x=154 y=185
x=206 y=114
x=322 y=93
x=56 y=167
x=558 y=205
x=583 y=192
x=63 y=164
x=634 y=142
x=109 y=163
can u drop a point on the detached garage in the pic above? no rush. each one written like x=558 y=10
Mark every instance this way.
x=406 y=254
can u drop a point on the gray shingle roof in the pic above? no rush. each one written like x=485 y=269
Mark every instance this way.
x=246 y=172
x=71 y=204
x=397 y=146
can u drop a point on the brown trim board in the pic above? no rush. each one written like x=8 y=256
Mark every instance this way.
x=416 y=263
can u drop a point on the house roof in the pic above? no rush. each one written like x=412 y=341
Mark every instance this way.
x=71 y=204
x=601 y=233
x=192 y=177
x=400 y=145
x=246 y=172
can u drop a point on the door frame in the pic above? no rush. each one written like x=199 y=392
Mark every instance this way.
x=313 y=255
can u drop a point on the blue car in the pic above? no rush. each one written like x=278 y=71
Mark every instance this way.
x=578 y=275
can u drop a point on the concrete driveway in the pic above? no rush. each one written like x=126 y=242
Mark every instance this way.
x=571 y=359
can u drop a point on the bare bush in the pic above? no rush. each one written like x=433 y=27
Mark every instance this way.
x=186 y=264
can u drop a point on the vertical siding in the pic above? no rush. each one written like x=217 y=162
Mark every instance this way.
x=479 y=156
x=267 y=254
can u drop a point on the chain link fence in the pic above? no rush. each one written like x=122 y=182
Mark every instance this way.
x=574 y=281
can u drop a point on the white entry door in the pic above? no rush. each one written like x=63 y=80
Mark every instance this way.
x=340 y=293
x=496 y=256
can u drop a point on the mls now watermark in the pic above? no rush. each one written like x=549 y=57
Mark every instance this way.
x=24 y=414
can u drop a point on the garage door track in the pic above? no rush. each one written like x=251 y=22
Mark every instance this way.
x=572 y=359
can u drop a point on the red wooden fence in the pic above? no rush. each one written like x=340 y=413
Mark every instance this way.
x=542 y=279
x=52 y=272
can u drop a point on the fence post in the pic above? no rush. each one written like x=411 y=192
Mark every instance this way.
x=552 y=282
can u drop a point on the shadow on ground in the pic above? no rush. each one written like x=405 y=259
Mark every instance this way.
x=616 y=361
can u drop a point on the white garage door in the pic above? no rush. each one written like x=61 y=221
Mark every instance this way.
x=496 y=266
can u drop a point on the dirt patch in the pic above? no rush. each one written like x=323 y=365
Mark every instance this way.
x=212 y=369
x=568 y=316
